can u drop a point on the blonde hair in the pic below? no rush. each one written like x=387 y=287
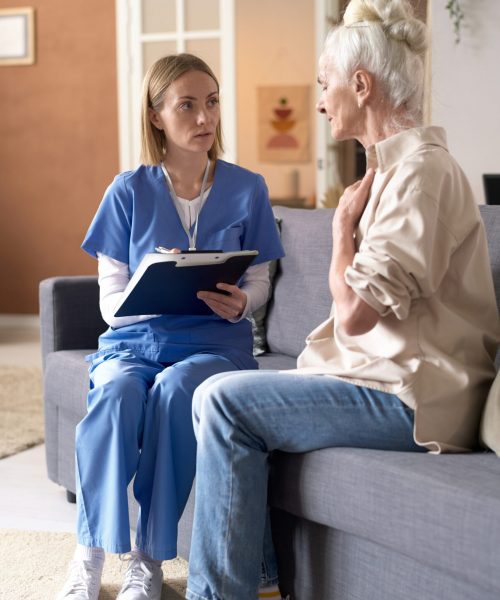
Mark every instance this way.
x=385 y=38
x=156 y=81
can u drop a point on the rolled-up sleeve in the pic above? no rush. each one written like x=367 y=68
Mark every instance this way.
x=382 y=283
x=400 y=257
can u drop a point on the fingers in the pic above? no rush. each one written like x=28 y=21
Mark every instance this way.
x=363 y=183
x=353 y=202
x=233 y=290
x=163 y=250
x=361 y=188
x=227 y=306
x=367 y=180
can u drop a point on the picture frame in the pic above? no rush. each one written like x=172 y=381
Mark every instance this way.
x=17 y=36
x=284 y=128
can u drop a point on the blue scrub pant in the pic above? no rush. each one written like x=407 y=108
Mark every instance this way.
x=138 y=423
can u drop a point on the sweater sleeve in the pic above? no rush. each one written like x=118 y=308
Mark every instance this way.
x=256 y=285
x=113 y=279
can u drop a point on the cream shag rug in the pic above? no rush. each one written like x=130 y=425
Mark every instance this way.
x=21 y=409
x=34 y=565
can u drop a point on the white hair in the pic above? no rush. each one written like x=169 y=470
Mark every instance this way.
x=385 y=38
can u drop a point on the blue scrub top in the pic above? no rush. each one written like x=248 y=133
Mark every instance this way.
x=137 y=214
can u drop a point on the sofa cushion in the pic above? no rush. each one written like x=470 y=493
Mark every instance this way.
x=490 y=420
x=302 y=299
x=491 y=219
x=259 y=317
x=434 y=509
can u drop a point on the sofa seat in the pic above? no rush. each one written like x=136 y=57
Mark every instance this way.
x=407 y=503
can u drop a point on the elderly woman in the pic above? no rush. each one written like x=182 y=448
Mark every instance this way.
x=406 y=359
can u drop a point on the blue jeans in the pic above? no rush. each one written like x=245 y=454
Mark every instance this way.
x=239 y=419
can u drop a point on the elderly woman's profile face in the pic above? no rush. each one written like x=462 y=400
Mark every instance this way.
x=338 y=102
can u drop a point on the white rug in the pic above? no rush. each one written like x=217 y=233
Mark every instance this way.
x=21 y=409
x=34 y=566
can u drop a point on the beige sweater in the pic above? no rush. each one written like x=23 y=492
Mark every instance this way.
x=422 y=263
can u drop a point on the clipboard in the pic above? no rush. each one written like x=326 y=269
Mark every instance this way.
x=166 y=284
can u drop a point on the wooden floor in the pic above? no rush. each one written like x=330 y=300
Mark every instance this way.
x=28 y=500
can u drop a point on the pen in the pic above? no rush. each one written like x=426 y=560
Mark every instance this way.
x=163 y=250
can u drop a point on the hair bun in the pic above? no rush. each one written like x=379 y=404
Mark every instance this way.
x=411 y=31
x=396 y=17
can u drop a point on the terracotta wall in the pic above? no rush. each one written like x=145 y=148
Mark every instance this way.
x=58 y=146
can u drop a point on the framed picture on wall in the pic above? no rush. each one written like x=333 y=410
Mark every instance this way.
x=17 y=36
x=284 y=128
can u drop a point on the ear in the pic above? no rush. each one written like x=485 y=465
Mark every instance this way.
x=155 y=119
x=363 y=85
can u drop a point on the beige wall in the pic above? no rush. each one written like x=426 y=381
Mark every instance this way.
x=466 y=87
x=58 y=145
x=275 y=45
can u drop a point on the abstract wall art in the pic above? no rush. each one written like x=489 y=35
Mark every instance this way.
x=284 y=129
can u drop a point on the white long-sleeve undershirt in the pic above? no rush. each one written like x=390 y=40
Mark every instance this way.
x=114 y=277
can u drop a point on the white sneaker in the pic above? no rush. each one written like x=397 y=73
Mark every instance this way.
x=143 y=579
x=84 y=581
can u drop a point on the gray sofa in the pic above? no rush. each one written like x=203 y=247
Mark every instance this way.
x=348 y=524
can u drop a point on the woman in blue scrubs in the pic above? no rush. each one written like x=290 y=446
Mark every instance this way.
x=147 y=367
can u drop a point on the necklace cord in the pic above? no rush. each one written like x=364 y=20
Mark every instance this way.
x=191 y=238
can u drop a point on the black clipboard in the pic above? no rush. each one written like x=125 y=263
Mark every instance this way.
x=166 y=284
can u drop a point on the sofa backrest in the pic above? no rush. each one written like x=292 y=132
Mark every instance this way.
x=491 y=219
x=302 y=299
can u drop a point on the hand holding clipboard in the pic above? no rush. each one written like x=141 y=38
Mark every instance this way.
x=168 y=283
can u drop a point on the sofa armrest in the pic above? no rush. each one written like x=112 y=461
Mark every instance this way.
x=70 y=318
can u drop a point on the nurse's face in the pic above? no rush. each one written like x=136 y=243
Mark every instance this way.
x=190 y=113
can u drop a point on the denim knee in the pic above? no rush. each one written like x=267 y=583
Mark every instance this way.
x=209 y=392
